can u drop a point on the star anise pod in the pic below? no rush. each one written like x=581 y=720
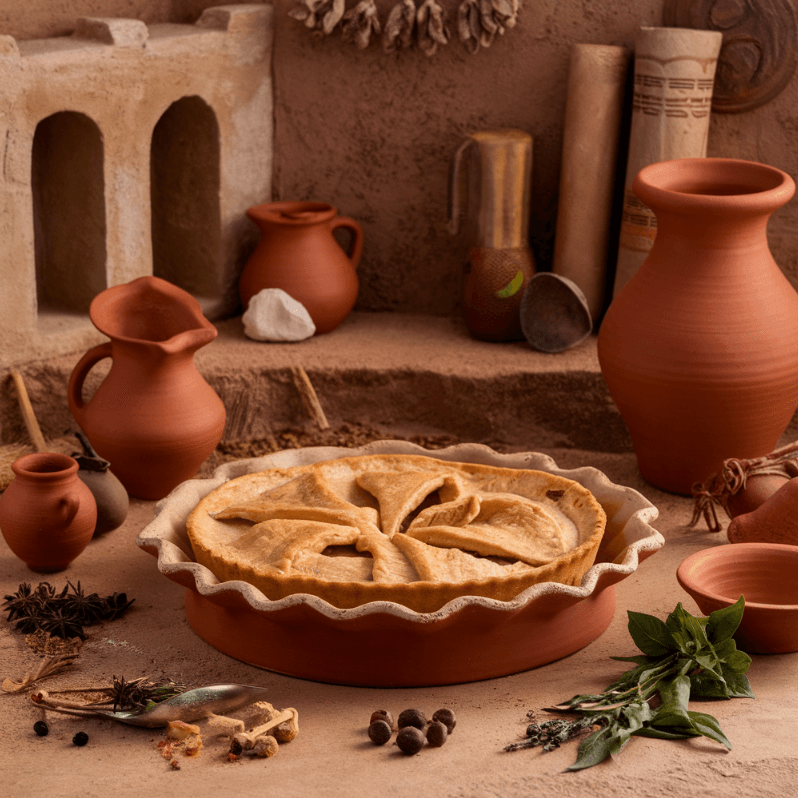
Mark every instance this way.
x=58 y=625
x=116 y=605
x=84 y=609
x=20 y=604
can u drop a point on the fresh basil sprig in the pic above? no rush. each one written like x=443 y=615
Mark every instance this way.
x=683 y=657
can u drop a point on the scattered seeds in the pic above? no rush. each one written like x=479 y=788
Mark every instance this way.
x=41 y=728
x=380 y=732
x=447 y=718
x=437 y=734
x=412 y=717
x=80 y=739
x=410 y=740
x=383 y=714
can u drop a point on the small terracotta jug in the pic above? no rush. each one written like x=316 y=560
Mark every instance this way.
x=299 y=254
x=47 y=515
x=154 y=416
x=774 y=521
x=700 y=348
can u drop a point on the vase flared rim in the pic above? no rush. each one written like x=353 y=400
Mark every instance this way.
x=706 y=183
x=120 y=313
x=292 y=213
x=45 y=466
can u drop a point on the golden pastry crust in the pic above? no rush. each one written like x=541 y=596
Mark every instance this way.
x=403 y=528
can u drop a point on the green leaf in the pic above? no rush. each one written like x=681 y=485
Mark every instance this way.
x=594 y=749
x=707 y=685
x=709 y=727
x=723 y=623
x=687 y=631
x=641 y=659
x=738 y=685
x=663 y=734
x=650 y=634
x=673 y=714
x=737 y=662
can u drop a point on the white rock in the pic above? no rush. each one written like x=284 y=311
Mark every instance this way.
x=274 y=315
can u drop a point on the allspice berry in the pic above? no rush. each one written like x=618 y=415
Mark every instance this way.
x=383 y=714
x=447 y=718
x=412 y=717
x=380 y=732
x=437 y=734
x=410 y=740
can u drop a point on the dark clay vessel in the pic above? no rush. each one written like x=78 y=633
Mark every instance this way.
x=47 y=515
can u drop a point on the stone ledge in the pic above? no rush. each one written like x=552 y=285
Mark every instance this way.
x=396 y=372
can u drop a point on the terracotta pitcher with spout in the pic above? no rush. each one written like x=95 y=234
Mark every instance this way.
x=154 y=416
x=299 y=254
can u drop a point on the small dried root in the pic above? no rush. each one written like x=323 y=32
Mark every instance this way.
x=277 y=727
x=48 y=667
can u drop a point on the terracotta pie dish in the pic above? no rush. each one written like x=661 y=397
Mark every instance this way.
x=379 y=641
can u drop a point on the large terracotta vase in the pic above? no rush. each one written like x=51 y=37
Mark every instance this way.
x=47 y=515
x=299 y=254
x=700 y=348
x=154 y=416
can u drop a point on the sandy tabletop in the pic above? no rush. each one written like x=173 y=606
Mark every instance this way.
x=332 y=755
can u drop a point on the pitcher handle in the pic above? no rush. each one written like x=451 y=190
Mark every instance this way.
x=69 y=506
x=79 y=374
x=356 y=244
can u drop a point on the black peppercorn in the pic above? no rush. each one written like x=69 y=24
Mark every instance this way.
x=80 y=739
x=383 y=714
x=437 y=734
x=380 y=732
x=412 y=717
x=41 y=728
x=410 y=740
x=447 y=718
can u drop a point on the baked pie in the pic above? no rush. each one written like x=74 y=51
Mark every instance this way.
x=403 y=528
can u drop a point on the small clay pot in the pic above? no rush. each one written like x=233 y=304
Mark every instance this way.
x=764 y=573
x=773 y=521
x=47 y=515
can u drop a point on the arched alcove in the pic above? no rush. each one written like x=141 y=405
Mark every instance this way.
x=184 y=192
x=67 y=187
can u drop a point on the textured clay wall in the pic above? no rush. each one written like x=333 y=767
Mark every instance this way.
x=373 y=133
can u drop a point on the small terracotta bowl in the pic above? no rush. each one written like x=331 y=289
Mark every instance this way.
x=765 y=573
